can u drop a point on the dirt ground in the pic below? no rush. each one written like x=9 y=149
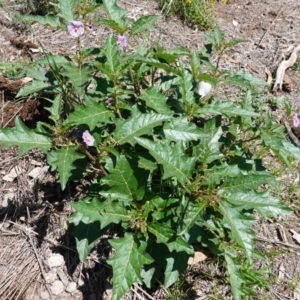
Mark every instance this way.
x=34 y=211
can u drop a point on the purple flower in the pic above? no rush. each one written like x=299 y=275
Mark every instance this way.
x=76 y=28
x=121 y=41
x=90 y=28
x=296 y=120
x=88 y=138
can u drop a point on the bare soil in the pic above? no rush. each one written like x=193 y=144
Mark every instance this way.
x=33 y=209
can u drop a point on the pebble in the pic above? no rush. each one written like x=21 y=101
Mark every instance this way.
x=80 y=282
x=71 y=288
x=57 y=287
x=8 y=197
x=44 y=295
x=55 y=260
x=50 y=276
x=235 y=23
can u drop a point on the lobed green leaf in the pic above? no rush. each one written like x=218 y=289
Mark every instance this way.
x=248 y=181
x=174 y=163
x=176 y=265
x=129 y=258
x=208 y=149
x=263 y=202
x=115 y=13
x=194 y=213
x=166 y=236
x=155 y=100
x=86 y=236
x=67 y=9
x=180 y=129
x=226 y=108
x=112 y=55
x=63 y=160
x=244 y=79
x=235 y=279
x=33 y=87
x=239 y=225
x=143 y=24
x=282 y=148
x=121 y=183
x=52 y=21
x=186 y=88
x=138 y=124
x=25 y=138
x=91 y=114
x=107 y=212
x=78 y=77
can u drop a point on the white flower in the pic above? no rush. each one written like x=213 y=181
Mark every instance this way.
x=204 y=88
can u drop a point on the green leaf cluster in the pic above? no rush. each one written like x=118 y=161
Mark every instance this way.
x=170 y=170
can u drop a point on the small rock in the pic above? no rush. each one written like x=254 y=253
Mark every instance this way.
x=80 y=282
x=235 y=23
x=71 y=288
x=44 y=295
x=55 y=260
x=8 y=197
x=57 y=287
x=50 y=276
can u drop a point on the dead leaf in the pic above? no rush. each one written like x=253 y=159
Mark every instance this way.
x=295 y=235
x=233 y=60
x=34 y=162
x=198 y=257
x=281 y=272
x=13 y=86
x=269 y=76
x=34 y=50
x=38 y=172
x=14 y=172
x=26 y=80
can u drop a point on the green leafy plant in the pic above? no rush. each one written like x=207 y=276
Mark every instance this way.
x=14 y=69
x=170 y=169
x=42 y=7
x=194 y=12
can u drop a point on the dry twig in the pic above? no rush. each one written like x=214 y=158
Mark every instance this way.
x=144 y=292
x=39 y=261
x=264 y=35
x=45 y=238
x=290 y=132
x=136 y=294
x=285 y=64
x=278 y=242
